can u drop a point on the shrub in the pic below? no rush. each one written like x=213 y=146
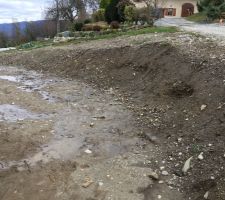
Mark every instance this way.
x=78 y=26
x=129 y=13
x=87 y=27
x=114 y=25
x=104 y=3
x=96 y=28
x=111 y=12
x=213 y=9
x=99 y=15
x=87 y=21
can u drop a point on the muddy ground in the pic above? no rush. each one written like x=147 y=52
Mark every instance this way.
x=114 y=119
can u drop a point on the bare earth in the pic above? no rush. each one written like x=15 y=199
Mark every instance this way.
x=114 y=119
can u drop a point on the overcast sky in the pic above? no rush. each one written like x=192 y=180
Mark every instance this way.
x=22 y=10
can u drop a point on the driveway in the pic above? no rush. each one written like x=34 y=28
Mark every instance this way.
x=205 y=29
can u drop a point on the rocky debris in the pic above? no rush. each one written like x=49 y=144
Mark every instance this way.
x=87 y=182
x=165 y=173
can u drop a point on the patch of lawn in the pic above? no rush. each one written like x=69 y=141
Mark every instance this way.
x=135 y=32
x=198 y=17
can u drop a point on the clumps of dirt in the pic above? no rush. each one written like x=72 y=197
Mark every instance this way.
x=180 y=89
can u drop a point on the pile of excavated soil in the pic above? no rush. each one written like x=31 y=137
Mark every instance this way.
x=175 y=92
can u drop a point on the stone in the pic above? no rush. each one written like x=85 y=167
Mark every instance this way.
x=88 y=151
x=200 y=156
x=87 y=182
x=203 y=107
x=165 y=173
x=153 y=175
x=187 y=165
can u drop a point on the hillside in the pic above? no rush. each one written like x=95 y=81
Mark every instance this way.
x=8 y=27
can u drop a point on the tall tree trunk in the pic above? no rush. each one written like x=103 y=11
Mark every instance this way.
x=57 y=17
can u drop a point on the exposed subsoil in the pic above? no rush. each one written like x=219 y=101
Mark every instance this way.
x=98 y=119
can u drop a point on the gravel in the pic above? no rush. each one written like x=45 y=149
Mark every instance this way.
x=204 y=29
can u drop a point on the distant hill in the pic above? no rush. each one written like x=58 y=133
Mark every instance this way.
x=8 y=28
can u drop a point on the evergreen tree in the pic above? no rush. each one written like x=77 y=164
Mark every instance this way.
x=111 y=12
x=212 y=8
x=104 y=4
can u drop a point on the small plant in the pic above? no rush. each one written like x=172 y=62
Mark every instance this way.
x=78 y=26
x=114 y=25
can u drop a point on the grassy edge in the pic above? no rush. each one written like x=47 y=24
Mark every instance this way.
x=148 y=30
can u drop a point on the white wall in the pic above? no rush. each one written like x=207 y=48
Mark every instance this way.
x=171 y=4
x=177 y=4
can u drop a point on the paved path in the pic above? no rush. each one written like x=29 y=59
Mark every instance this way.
x=205 y=29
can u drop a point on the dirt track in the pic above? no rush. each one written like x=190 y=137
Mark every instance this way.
x=111 y=112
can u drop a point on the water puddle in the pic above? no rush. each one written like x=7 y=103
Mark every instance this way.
x=13 y=113
x=9 y=78
x=30 y=82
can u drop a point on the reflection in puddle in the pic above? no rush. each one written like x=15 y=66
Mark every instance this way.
x=9 y=78
x=32 y=82
x=13 y=113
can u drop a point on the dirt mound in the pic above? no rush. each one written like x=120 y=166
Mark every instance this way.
x=177 y=100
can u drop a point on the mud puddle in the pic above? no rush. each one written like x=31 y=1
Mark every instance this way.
x=29 y=81
x=13 y=113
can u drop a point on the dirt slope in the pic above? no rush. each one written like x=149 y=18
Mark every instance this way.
x=174 y=86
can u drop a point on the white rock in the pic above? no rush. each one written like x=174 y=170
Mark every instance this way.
x=187 y=165
x=206 y=195
x=88 y=151
x=165 y=173
x=203 y=107
x=159 y=197
x=100 y=183
x=200 y=156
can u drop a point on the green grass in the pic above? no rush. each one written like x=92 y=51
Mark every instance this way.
x=130 y=33
x=198 y=17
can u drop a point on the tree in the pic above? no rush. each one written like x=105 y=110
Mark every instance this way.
x=3 y=40
x=70 y=9
x=129 y=13
x=212 y=8
x=111 y=12
x=104 y=4
x=16 y=33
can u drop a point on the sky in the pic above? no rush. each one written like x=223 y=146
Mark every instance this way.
x=22 y=10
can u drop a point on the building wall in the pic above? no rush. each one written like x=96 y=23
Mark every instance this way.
x=177 y=4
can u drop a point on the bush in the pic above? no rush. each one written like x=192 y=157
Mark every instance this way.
x=129 y=13
x=99 y=15
x=104 y=3
x=111 y=12
x=96 y=28
x=87 y=21
x=144 y=15
x=114 y=25
x=87 y=27
x=78 y=26
x=213 y=9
